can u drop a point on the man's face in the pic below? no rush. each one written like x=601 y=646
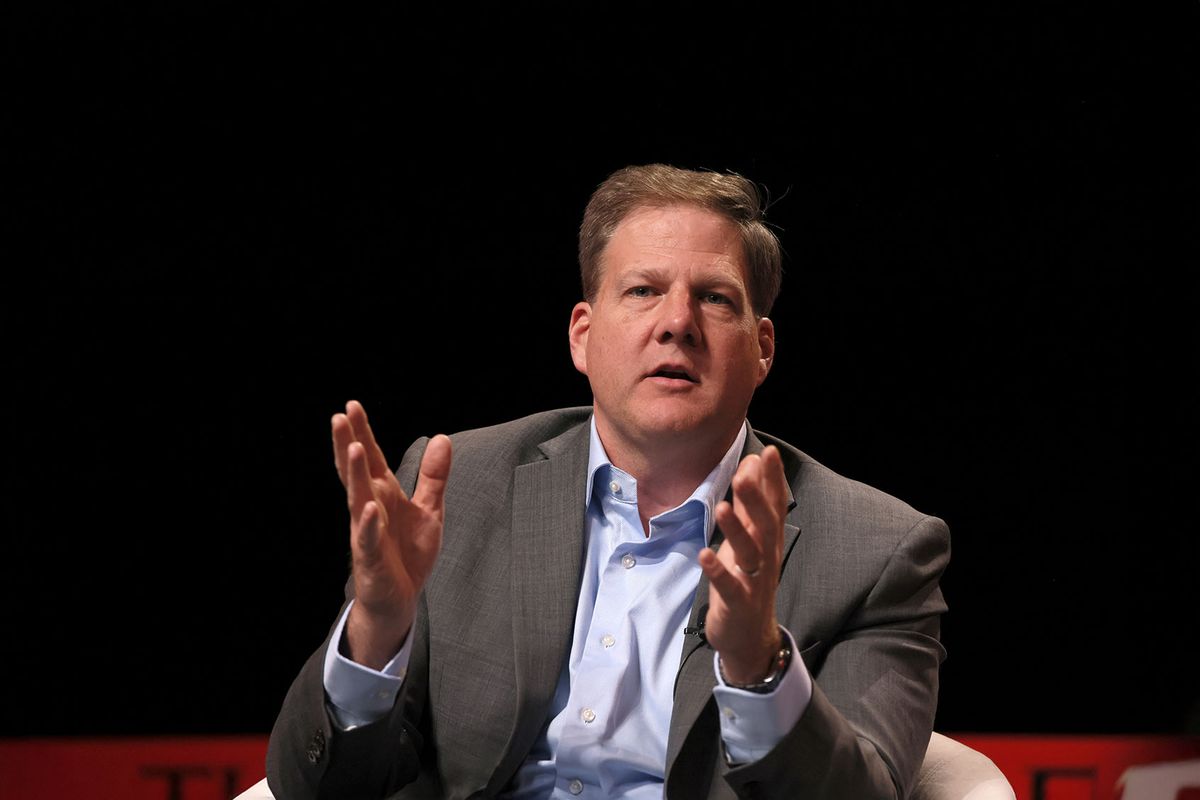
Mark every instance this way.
x=671 y=345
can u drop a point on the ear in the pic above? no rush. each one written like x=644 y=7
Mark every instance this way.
x=766 y=347
x=577 y=334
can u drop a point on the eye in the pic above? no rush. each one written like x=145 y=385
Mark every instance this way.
x=716 y=299
x=640 y=291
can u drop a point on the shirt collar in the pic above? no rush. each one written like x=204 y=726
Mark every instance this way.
x=711 y=490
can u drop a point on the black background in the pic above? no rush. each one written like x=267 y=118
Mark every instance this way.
x=225 y=223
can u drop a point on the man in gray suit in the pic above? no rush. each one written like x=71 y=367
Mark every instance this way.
x=643 y=598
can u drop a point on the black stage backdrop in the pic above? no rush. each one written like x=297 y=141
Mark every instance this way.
x=226 y=223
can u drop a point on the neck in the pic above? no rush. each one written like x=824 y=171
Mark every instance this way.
x=667 y=469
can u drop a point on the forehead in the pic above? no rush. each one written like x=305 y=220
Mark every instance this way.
x=675 y=235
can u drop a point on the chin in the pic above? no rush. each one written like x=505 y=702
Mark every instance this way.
x=674 y=424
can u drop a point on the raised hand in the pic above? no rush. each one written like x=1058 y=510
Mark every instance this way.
x=394 y=540
x=741 y=623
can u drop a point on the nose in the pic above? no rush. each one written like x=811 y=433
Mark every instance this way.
x=677 y=319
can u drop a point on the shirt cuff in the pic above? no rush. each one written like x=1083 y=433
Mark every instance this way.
x=752 y=724
x=359 y=695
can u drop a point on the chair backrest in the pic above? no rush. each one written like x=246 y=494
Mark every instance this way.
x=953 y=771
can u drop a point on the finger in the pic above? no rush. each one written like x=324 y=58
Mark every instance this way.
x=754 y=510
x=365 y=541
x=435 y=471
x=343 y=435
x=363 y=433
x=746 y=483
x=358 y=488
x=742 y=546
x=724 y=582
x=775 y=487
x=774 y=479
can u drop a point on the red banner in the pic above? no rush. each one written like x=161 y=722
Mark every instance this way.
x=167 y=768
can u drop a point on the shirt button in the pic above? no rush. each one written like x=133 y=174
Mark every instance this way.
x=575 y=786
x=627 y=561
x=607 y=640
x=384 y=695
x=587 y=715
x=616 y=487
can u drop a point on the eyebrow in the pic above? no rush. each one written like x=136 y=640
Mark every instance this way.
x=714 y=279
x=638 y=274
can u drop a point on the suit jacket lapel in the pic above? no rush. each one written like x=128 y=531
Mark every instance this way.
x=695 y=681
x=548 y=518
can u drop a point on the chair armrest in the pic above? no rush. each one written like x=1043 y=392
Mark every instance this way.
x=953 y=771
x=258 y=791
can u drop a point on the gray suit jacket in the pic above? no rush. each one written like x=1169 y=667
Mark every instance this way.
x=858 y=590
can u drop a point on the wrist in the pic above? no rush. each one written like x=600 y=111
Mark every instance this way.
x=766 y=675
x=371 y=640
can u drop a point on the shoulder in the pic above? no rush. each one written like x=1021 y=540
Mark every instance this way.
x=828 y=500
x=484 y=453
x=521 y=440
x=858 y=551
x=484 y=459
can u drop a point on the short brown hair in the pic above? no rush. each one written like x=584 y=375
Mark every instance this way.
x=729 y=195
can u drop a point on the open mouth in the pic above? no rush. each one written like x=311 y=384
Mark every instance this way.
x=678 y=375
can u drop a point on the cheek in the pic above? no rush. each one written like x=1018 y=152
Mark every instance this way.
x=618 y=336
x=602 y=356
x=740 y=343
x=741 y=371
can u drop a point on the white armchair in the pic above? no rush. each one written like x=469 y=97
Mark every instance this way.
x=951 y=771
x=258 y=791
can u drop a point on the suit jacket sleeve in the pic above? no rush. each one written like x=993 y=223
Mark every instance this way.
x=867 y=726
x=309 y=756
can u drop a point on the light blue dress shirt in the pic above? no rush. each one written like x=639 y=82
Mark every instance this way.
x=606 y=735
